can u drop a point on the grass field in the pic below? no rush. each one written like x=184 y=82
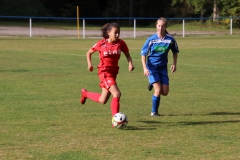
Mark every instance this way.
x=41 y=118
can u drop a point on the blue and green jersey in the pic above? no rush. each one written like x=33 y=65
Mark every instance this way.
x=157 y=49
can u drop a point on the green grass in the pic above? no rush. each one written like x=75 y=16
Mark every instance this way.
x=41 y=117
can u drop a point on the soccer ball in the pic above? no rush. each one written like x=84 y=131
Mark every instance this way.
x=119 y=120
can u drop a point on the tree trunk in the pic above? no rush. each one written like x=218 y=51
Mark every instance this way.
x=202 y=15
x=215 y=11
x=118 y=10
x=130 y=12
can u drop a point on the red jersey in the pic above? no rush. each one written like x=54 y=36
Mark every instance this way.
x=109 y=53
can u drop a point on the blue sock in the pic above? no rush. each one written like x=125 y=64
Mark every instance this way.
x=155 y=103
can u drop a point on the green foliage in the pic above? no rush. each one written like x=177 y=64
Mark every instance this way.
x=41 y=117
x=121 y=8
x=23 y=8
x=201 y=8
x=226 y=7
x=230 y=7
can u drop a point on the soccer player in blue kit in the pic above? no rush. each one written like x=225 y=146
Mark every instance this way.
x=155 y=59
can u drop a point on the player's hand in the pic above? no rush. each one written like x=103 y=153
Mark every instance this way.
x=173 y=68
x=146 y=72
x=130 y=68
x=90 y=68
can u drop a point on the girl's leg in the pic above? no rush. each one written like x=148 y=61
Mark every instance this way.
x=115 y=104
x=96 y=97
x=156 y=99
x=159 y=90
x=164 y=89
x=103 y=98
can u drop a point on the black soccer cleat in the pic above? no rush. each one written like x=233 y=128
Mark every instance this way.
x=150 y=87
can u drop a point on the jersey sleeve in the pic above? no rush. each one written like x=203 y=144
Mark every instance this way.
x=145 y=48
x=174 y=46
x=96 y=46
x=124 y=47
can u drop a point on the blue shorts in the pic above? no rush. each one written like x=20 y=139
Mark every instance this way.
x=158 y=74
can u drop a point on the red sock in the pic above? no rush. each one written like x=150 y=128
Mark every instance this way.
x=115 y=105
x=93 y=96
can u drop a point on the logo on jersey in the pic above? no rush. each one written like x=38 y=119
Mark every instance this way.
x=161 y=41
x=161 y=49
x=106 y=53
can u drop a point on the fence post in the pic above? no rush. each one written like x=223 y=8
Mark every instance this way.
x=134 y=30
x=183 y=34
x=83 y=28
x=30 y=27
x=78 y=22
x=231 y=21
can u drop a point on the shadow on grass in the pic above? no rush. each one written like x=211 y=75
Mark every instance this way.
x=71 y=156
x=150 y=122
x=156 y=123
x=14 y=70
x=152 y=125
x=212 y=113
x=139 y=128
x=208 y=122
x=224 y=113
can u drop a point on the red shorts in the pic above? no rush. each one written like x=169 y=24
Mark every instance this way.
x=107 y=77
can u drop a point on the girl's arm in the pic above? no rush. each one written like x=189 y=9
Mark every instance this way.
x=145 y=70
x=130 y=63
x=174 y=65
x=89 y=59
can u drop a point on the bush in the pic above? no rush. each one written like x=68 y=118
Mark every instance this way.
x=23 y=8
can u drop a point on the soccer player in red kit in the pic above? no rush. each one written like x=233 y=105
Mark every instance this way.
x=109 y=48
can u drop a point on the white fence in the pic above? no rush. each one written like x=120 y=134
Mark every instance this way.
x=85 y=32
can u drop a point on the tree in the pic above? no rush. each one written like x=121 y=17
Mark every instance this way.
x=215 y=10
x=198 y=5
x=23 y=8
x=219 y=7
x=230 y=7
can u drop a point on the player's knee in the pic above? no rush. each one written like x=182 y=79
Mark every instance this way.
x=103 y=101
x=157 y=93
x=165 y=93
x=116 y=94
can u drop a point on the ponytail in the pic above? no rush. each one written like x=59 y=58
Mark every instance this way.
x=104 y=31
